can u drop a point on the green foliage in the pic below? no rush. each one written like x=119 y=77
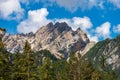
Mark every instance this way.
x=5 y=66
x=61 y=69
x=42 y=65
x=46 y=70
x=27 y=48
x=99 y=54
x=96 y=75
x=2 y=29
x=44 y=53
x=96 y=50
x=1 y=44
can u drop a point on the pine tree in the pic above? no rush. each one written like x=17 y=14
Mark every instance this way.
x=27 y=48
x=61 y=69
x=46 y=71
x=24 y=64
x=4 y=62
x=96 y=75
x=2 y=45
x=73 y=62
x=27 y=51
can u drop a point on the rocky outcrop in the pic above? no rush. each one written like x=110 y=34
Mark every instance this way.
x=107 y=50
x=58 y=38
x=83 y=51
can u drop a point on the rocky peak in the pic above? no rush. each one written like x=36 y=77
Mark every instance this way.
x=58 y=38
x=49 y=25
x=62 y=27
x=53 y=30
x=83 y=35
x=45 y=29
x=61 y=24
x=78 y=29
x=31 y=34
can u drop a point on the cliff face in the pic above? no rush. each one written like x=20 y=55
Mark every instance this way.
x=58 y=38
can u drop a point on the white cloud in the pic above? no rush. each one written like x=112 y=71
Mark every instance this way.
x=116 y=29
x=36 y=19
x=68 y=4
x=115 y=3
x=101 y=4
x=10 y=9
x=28 y=2
x=93 y=38
x=103 y=31
x=83 y=23
x=72 y=5
x=76 y=22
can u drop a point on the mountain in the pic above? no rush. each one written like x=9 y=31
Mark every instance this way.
x=58 y=38
x=98 y=61
x=106 y=52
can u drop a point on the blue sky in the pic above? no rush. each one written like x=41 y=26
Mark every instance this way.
x=100 y=19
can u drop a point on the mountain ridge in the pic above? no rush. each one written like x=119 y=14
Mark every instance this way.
x=58 y=38
x=108 y=51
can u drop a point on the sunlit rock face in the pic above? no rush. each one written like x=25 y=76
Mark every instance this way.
x=58 y=38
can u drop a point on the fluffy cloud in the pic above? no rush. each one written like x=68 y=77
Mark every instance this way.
x=71 y=5
x=28 y=2
x=76 y=22
x=116 y=29
x=93 y=38
x=115 y=3
x=10 y=9
x=103 y=31
x=84 y=23
x=36 y=19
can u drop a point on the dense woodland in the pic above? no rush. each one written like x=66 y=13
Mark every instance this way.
x=42 y=65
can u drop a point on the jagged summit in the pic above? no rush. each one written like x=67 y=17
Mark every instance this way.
x=58 y=38
x=57 y=27
x=50 y=25
x=62 y=27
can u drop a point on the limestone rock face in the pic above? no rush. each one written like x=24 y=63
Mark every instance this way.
x=58 y=38
x=82 y=52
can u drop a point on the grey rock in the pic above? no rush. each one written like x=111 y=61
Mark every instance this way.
x=58 y=38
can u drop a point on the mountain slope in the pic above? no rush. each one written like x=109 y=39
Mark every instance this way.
x=107 y=51
x=58 y=38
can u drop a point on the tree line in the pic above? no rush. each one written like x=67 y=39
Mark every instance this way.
x=42 y=65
